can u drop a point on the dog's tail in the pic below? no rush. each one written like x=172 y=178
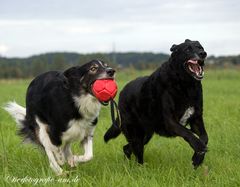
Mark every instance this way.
x=19 y=114
x=113 y=131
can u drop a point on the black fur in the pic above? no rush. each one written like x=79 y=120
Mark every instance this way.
x=156 y=103
x=50 y=98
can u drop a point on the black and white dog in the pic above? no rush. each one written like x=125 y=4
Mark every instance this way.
x=60 y=108
x=164 y=103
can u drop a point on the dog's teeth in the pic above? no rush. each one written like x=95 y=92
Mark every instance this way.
x=191 y=68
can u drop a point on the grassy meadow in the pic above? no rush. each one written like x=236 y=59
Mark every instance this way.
x=167 y=160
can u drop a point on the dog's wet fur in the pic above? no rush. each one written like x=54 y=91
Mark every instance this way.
x=169 y=103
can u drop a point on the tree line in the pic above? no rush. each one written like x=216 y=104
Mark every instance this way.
x=34 y=65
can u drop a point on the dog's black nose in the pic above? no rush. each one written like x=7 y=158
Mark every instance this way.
x=110 y=72
x=203 y=54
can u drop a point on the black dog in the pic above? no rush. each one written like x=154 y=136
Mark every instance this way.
x=164 y=103
x=60 y=108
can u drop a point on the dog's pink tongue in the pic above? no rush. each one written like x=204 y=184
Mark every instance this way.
x=193 y=61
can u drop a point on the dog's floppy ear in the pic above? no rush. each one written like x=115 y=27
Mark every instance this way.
x=173 y=48
x=187 y=40
x=74 y=72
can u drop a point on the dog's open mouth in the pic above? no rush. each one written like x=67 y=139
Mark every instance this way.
x=195 y=69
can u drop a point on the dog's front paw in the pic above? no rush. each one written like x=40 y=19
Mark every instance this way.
x=56 y=168
x=63 y=174
x=83 y=158
x=72 y=161
x=198 y=158
x=200 y=147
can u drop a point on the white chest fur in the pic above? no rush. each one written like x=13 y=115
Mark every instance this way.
x=188 y=113
x=89 y=108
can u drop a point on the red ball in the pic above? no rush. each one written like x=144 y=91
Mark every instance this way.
x=104 y=89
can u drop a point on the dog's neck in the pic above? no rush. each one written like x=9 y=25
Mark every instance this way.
x=167 y=73
x=88 y=106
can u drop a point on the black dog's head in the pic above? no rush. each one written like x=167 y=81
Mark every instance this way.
x=81 y=78
x=190 y=56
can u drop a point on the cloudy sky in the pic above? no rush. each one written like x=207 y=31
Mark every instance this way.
x=30 y=27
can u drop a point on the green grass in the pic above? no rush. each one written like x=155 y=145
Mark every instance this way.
x=167 y=160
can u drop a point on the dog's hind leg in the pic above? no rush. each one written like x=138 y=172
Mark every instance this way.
x=147 y=138
x=49 y=147
x=137 y=147
x=127 y=150
x=137 y=144
x=135 y=138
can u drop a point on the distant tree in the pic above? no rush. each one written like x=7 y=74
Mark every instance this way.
x=58 y=62
x=32 y=66
x=38 y=67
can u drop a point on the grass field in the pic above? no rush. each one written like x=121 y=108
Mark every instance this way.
x=167 y=161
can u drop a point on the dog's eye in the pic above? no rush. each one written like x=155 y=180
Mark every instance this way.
x=189 y=48
x=93 y=69
x=199 y=47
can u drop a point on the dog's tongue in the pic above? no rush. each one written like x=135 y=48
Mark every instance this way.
x=193 y=61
